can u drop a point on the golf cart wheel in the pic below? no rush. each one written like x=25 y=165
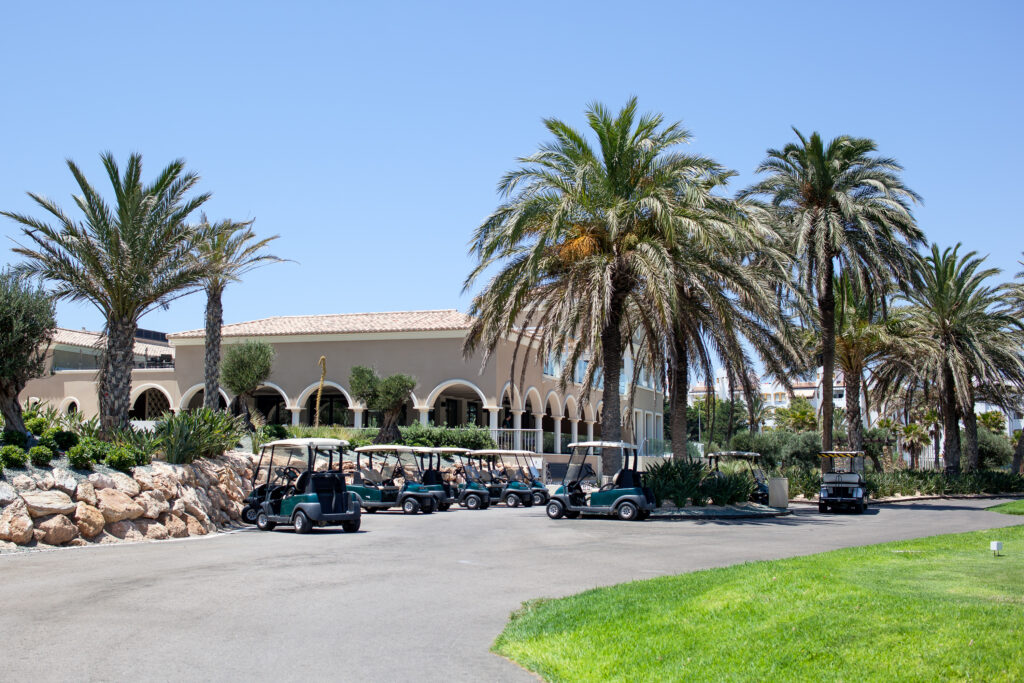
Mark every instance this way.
x=628 y=512
x=822 y=507
x=863 y=508
x=444 y=507
x=370 y=510
x=474 y=502
x=527 y=501
x=572 y=514
x=512 y=500
x=263 y=522
x=250 y=514
x=539 y=498
x=351 y=526
x=301 y=523
x=555 y=509
x=428 y=506
x=411 y=506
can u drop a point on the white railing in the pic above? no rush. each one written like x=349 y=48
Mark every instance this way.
x=516 y=439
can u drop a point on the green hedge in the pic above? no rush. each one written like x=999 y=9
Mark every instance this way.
x=40 y=456
x=13 y=455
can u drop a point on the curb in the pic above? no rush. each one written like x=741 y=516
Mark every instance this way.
x=980 y=496
x=718 y=515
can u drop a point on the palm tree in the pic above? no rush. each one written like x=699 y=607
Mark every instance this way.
x=126 y=260
x=230 y=249
x=915 y=439
x=844 y=209
x=581 y=248
x=1017 y=294
x=964 y=334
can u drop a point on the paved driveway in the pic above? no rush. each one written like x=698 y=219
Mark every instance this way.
x=407 y=598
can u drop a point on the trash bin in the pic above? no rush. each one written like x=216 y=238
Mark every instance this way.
x=778 y=492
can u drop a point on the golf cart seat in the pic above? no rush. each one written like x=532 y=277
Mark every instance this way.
x=371 y=477
x=432 y=478
x=626 y=479
x=841 y=478
x=302 y=482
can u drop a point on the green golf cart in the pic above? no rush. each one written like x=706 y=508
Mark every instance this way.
x=377 y=489
x=472 y=493
x=301 y=488
x=842 y=483
x=507 y=486
x=431 y=477
x=624 y=497
x=753 y=461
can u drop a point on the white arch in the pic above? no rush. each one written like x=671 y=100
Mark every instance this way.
x=68 y=400
x=588 y=412
x=455 y=382
x=186 y=398
x=139 y=391
x=287 y=401
x=558 y=403
x=311 y=389
x=515 y=400
x=599 y=410
x=574 y=413
x=538 y=404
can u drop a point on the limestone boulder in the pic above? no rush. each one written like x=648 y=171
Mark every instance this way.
x=101 y=481
x=57 y=529
x=195 y=528
x=16 y=523
x=151 y=529
x=43 y=503
x=174 y=526
x=89 y=519
x=76 y=542
x=44 y=481
x=8 y=494
x=64 y=481
x=152 y=503
x=117 y=505
x=23 y=483
x=85 y=493
x=125 y=530
x=125 y=484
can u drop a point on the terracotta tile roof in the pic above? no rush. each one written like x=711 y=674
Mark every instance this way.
x=93 y=340
x=342 y=323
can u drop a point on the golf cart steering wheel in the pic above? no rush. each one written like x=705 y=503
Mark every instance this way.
x=289 y=473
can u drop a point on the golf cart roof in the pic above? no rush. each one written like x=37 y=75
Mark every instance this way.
x=386 y=448
x=841 y=454
x=601 y=444
x=447 y=449
x=305 y=443
x=740 y=455
x=499 y=451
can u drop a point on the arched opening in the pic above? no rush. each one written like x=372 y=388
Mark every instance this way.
x=334 y=408
x=196 y=402
x=71 y=408
x=149 y=405
x=271 y=404
x=457 y=404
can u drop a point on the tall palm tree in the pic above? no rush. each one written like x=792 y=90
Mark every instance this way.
x=915 y=439
x=581 y=248
x=230 y=249
x=126 y=259
x=845 y=210
x=964 y=333
x=1017 y=297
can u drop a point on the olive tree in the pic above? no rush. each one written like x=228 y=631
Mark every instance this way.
x=386 y=395
x=27 y=323
x=245 y=368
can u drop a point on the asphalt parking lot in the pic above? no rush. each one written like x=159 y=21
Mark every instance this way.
x=405 y=598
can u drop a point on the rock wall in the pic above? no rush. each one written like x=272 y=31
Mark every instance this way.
x=158 y=501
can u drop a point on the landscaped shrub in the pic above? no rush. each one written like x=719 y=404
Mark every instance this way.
x=36 y=425
x=677 y=479
x=473 y=438
x=13 y=456
x=40 y=456
x=805 y=448
x=803 y=480
x=65 y=439
x=727 y=489
x=120 y=458
x=275 y=432
x=49 y=440
x=80 y=457
x=742 y=441
x=994 y=450
x=141 y=443
x=202 y=433
x=12 y=437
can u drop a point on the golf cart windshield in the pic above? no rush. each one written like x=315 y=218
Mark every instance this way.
x=849 y=462
x=281 y=461
x=579 y=469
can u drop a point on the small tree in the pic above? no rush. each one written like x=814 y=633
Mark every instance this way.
x=245 y=367
x=386 y=395
x=27 y=323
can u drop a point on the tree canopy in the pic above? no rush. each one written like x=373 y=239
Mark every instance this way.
x=27 y=324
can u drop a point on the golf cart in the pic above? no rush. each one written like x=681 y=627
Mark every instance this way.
x=625 y=496
x=753 y=460
x=514 y=490
x=844 y=486
x=529 y=475
x=296 y=491
x=377 y=489
x=472 y=493
x=429 y=462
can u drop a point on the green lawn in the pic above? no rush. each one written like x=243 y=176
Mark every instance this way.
x=1014 y=507
x=940 y=608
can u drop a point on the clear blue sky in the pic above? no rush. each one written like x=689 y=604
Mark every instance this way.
x=371 y=136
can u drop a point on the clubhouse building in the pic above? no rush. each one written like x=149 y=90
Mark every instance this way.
x=451 y=390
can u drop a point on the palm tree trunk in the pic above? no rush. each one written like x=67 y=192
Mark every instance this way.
x=971 y=437
x=854 y=421
x=211 y=367
x=116 y=373
x=1017 y=466
x=950 y=422
x=11 y=409
x=611 y=358
x=680 y=390
x=827 y=310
